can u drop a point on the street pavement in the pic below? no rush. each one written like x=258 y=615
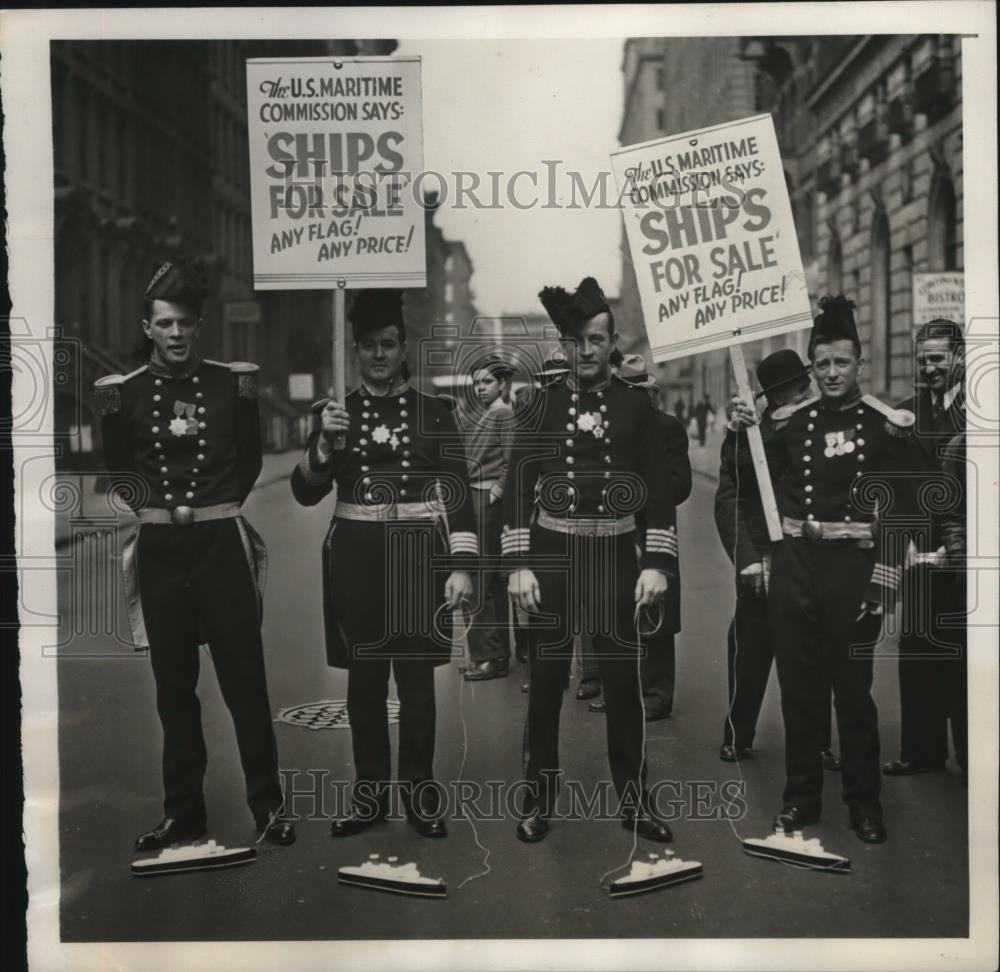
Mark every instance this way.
x=914 y=885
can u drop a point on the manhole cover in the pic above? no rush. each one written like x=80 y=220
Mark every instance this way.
x=329 y=714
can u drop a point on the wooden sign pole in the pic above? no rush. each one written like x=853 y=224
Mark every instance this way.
x=756 y=446
x=337 y=351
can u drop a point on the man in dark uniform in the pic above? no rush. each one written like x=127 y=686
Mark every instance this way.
x=587 y=458
x=739 y=517
x=396 y=560
x=932 y=664
x=182 y=444
x=827 y=593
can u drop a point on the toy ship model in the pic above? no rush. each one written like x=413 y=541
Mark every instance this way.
x=794 y=849
x=193 y=857
x=657 y=872
x=392 y=877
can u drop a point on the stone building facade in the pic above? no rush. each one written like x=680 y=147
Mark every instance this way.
x=870 y=131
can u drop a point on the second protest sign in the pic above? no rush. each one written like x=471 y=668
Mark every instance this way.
x=710 y=229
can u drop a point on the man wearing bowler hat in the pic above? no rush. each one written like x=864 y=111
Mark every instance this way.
x=181 y=441
x=785 y=380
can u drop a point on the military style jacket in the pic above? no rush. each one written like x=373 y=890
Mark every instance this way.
x=590 y=453
x=401 y=448
x=181 y=440
x=842 y=464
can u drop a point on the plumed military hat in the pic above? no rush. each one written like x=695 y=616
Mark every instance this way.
x=835 y=322
x=179 y=280
x=379 y=307
x=568 y=311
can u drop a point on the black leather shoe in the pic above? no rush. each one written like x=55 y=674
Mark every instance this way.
x=588 y=689
x=521 y=653
x=831 y=761
x=533 y=828
x=657 y=713
x=795 y=818
x=907 y=767
x=524 y=687
x=598 y=705
x=494 y=668
x=170 y=831
x=729 y=753
x=650 y=826
x=355 y=822
x=868 y=827
x=433 y=827
x=279 y=832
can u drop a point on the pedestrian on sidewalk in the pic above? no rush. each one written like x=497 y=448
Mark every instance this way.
x=784 y=380
x=181 y=441
x=702 y=411
x=487 y=425
x=396 y=561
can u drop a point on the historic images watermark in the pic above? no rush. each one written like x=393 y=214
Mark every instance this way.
x=311 y=795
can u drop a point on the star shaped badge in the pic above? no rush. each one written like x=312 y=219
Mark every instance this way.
x=178 y=426
x=590 y=422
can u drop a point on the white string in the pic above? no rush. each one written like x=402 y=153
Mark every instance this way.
x=487 y=868
x=642 y=764
x=736 y=641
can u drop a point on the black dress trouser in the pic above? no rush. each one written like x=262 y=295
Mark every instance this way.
x=589 y=580
x=195 y=585
x=750 y=652
x=932 y=666
x=816 y=591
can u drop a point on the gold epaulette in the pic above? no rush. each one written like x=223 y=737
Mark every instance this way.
x=899 y=422
x=246 y=376
x=107 y=392
x=781 y=415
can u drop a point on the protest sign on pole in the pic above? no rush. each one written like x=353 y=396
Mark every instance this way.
x=939 y=295
x=710 y=229
x=709 y=225
x=336 y=145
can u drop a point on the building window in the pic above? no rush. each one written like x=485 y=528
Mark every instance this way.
x=881 y=303
x=659 y=79
x=449 y=293
x=660 y=120
x=942 y=227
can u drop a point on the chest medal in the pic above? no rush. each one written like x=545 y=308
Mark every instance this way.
x=183 y=422
x=839 y=443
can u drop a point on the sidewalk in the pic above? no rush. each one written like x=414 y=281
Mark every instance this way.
x=91 y=505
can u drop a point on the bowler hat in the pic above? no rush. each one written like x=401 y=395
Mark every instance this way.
x=779 y=369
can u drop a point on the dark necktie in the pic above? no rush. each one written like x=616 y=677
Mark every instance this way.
x=937 y=413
